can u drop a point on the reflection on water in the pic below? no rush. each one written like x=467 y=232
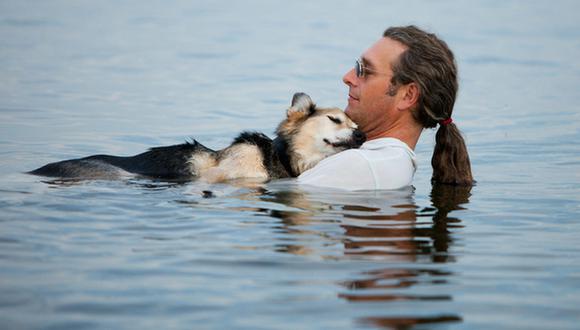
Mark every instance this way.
x=383 y=226
x=408 y=322
x=406 y=236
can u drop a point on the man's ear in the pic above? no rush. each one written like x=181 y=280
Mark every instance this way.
x=302 y=106
x=409 y=96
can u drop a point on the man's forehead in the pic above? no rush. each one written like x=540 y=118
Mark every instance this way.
x=382 y=53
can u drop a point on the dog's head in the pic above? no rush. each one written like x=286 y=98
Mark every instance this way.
x=313 y=133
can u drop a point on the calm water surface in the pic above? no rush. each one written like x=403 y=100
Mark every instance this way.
x=84 y=77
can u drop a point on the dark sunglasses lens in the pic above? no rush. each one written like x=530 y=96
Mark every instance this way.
x=358 y=69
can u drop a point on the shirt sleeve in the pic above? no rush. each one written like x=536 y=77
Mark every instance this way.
x=347 y=170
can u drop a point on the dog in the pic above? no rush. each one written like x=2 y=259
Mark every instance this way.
x=307 y=135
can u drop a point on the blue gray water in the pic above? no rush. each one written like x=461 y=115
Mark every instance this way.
x=89 y=77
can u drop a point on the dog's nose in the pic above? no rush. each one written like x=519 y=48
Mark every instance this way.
x=359 y=137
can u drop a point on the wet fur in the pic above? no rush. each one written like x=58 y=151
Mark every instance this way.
x=300 y=144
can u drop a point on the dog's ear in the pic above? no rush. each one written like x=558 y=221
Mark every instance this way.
x=302 y=106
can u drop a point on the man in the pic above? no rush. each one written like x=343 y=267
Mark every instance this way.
x=403 y=83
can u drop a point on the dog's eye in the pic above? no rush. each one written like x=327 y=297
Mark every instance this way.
x=335 y=120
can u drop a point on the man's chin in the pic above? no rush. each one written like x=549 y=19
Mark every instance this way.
x=351 y=110
x=352 y=114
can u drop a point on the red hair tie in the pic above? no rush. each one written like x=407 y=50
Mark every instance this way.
x=446 y=121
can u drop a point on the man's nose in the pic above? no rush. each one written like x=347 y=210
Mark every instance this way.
x=349 y=78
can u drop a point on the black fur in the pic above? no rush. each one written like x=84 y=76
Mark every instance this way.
x=281 y=153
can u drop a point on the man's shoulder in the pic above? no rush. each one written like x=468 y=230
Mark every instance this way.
x=385 y=143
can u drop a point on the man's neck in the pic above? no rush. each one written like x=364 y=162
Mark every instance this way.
x=409 y=134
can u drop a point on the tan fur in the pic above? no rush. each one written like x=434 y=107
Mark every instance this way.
x=200 y=163
x=238 y=161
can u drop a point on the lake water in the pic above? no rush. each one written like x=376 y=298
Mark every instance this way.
x=89 y=77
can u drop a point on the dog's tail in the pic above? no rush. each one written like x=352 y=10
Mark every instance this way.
x=90 y=167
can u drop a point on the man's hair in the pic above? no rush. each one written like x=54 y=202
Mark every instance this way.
x=430 y=64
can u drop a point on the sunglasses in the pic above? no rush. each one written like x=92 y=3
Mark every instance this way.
x=362 y=71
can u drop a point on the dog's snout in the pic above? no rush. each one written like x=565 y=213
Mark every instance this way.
x=359 y=137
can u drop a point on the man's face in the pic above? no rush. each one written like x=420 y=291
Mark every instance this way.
x=369 y=104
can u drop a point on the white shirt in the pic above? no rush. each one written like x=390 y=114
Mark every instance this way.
x=385 y=163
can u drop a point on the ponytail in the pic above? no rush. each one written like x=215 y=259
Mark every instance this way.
x=450 y=159
x=430 y=63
